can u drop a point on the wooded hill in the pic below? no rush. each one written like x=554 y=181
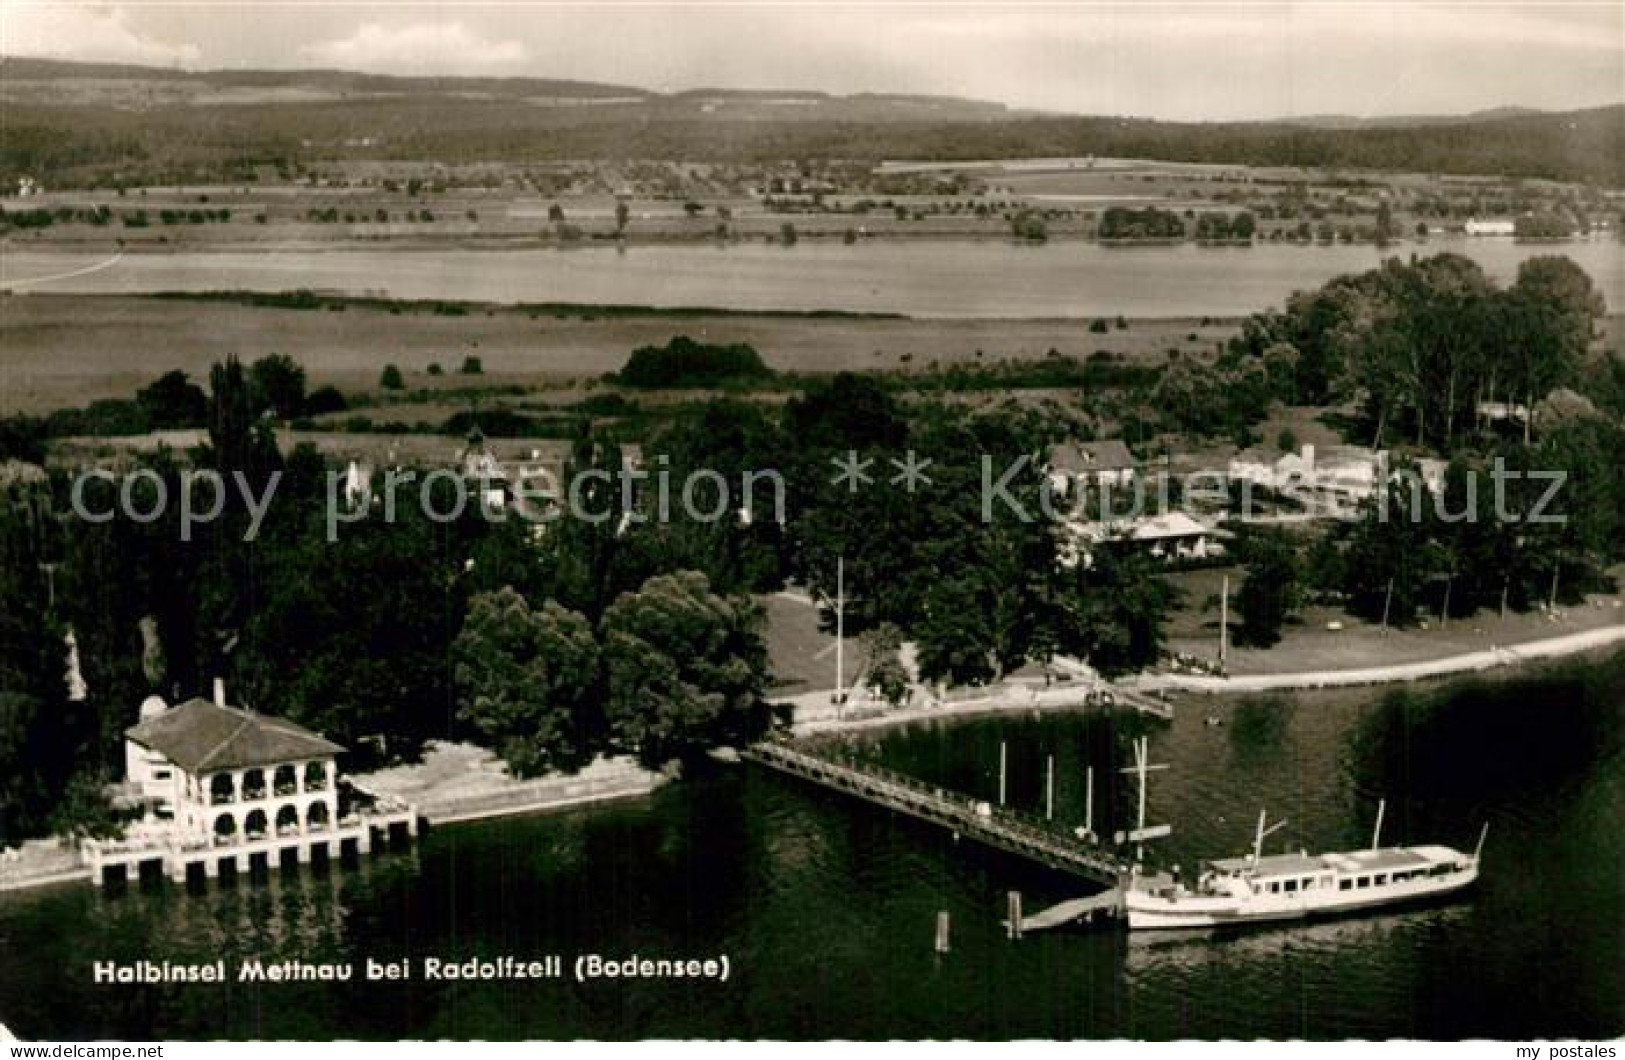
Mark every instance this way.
x=71 y=121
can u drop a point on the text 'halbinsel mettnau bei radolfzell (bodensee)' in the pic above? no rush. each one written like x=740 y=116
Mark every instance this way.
x=583 y=968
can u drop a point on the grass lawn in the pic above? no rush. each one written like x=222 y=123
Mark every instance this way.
x=1309 y=645
x=801 y=654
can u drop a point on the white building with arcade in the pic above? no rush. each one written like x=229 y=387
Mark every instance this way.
x=225 y=787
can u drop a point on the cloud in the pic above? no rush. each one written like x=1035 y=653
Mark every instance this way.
x=92 y=34
x=440 y=47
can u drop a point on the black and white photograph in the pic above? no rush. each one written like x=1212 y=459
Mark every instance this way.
x=642 y=521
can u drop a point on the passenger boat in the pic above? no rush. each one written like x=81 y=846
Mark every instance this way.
x=1259 y=889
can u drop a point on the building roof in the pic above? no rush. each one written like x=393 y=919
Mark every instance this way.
x=200 y=736
x=1075 y=457
x=1274 y=865
x=1168 y=524
x=1147 y=528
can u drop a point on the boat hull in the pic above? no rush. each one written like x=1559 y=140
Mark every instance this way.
x=1152 y=912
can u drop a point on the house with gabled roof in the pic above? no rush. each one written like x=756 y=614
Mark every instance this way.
x=1103 y=463
x=224 y=787
x=220 y=772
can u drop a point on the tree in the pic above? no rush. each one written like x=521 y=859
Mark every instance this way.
x=527 y=681
x=1547 y=323
x=745 y=549
x=41 y=739
x=324 y=400
x=686 y=669
x=1393 y=554
x=1029 y=225
x=472 y=366
x=350 y=637
x=391 y=378
x=883 y=663
x=1273 y=587
x=684 y=363
x=278 y=384
x=954 y=635
x=173 y=402
x=1111 y=611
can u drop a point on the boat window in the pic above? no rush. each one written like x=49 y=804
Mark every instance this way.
x=1345 y=885
x=1365 y=881
x=1379 y=879
x=1291 y=885
x=1275 y=888
x=1309 y=883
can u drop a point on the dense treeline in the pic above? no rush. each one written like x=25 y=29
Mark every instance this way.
x=1422 y=344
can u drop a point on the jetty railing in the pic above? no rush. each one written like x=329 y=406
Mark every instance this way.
x=995 y=826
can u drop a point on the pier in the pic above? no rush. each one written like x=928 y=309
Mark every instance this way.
x=181 y=860
x=995 y=826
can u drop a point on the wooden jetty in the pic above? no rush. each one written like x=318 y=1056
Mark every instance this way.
x=994 y=826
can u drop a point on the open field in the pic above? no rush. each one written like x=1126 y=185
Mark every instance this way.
x=67 y=350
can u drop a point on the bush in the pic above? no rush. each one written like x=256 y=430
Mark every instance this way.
x=391 y=379
x=325 y=400
x=1099 y=327
x=683 y=363
x=472 y=366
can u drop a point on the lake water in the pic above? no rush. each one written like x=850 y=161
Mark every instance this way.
x=826 y=907
x=962 y=278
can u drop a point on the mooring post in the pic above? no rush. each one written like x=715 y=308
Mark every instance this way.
x=942 y=931
x=1049 y=788
x=1089 y=802
x=1013 y=924
x=1003 y=761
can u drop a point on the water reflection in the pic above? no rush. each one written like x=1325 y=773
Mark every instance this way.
x=1151 y=952
x=828 y=906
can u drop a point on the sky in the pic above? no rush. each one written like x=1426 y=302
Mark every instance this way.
x=1190 y=61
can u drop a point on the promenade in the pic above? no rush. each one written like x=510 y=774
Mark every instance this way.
x=1446 y=666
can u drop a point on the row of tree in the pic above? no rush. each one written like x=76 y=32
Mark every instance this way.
x=1497 y=537
x=1422 y=345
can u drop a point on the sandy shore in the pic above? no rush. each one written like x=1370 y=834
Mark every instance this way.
x=461 y=782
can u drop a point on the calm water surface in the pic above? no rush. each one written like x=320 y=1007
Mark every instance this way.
x=957 y=278
x=826 y=907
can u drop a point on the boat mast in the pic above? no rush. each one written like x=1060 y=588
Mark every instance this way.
x=1141 y=768
x=1376 y=833
x=1258 y=841
x=1483 y=835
